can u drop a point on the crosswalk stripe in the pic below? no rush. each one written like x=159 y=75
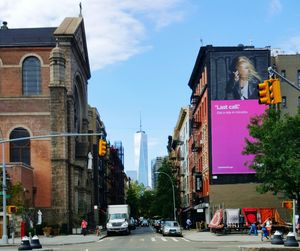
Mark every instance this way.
x=185 y=240
x=152 y=239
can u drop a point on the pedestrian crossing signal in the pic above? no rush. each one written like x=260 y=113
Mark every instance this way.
x=11 y=209
x=287 y=204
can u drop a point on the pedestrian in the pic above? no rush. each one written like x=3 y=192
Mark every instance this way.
x=268 y=225
x=264 y=232
x=188 y=223
x=98 y=230
x=84 y=227
x=253 y=229
x=298 y=225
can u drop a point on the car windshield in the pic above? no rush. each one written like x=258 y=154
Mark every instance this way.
x=117 y=216
x=171 y=224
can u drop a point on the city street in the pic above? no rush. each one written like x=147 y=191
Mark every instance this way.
x=145 y=238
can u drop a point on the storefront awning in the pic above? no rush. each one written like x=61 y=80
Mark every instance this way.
x=201 y=206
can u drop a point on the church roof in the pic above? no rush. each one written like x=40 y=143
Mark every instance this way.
x=27 y=37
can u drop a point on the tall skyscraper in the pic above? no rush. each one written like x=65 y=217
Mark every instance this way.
x=141 y=155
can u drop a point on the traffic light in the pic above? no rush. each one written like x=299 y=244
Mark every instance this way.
x=274 y=90
x=263 y=93
x=102 y=147
x=11 y=209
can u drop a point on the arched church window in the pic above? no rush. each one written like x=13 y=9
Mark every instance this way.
x=31 y=76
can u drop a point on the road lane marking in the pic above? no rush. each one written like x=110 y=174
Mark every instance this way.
x=174 y=239
x=163 y=238
x=142 y=239
x=185 y=240
x=153 y=239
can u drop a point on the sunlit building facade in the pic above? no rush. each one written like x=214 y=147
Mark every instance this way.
x=141 y=156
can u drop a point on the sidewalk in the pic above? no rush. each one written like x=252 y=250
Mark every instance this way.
x=59 y=240
x=245 y=242
x=194 y=235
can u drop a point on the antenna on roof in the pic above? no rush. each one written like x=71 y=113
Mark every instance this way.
x=140 y=121
x=80 y=10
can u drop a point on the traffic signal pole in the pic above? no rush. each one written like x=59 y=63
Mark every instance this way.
x=273 y=72
x=4 y=188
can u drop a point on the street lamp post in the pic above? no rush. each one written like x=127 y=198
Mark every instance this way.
x=172 y=190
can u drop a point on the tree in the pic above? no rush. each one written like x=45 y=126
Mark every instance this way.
x=275 y=144
x=146 y=200
x=133 y=195
x=163 y=202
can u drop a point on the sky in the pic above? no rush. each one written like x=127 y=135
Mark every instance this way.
x=142 y=52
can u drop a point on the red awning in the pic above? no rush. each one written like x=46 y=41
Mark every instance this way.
x=250 y=215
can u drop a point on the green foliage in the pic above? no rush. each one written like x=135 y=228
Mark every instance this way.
x=158 y=202
x=133 y=196
x=275 y=144
x=163 y=200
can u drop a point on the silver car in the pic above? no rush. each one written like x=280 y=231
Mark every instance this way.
x=171 y=228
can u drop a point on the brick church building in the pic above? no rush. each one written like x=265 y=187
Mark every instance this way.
x=44 y=75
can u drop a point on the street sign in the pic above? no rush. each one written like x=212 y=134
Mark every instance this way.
x=8 y=196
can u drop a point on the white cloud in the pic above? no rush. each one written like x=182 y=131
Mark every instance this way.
x=275 y=7
x=291 y=45
x=116 y=30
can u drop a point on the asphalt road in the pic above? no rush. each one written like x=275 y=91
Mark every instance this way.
x=146 y=239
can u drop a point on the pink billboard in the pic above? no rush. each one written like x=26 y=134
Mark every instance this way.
x=233 y=92
x=229 y=122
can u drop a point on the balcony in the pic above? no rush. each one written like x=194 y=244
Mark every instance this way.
x=195 y=124
x=195 y=147
x=195 y=99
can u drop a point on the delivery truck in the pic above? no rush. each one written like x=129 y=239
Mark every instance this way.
x=118 y=219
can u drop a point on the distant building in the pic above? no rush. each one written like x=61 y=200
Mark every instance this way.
x=141 y=156
x=288 y=65
x=155 y=165
x=180 y=150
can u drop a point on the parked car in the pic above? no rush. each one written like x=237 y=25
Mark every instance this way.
x=171 y=228
x=145 y=223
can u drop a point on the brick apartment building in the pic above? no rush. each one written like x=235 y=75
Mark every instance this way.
x=217 y=175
